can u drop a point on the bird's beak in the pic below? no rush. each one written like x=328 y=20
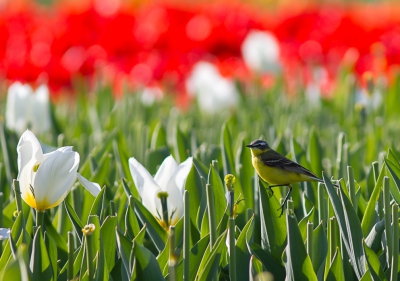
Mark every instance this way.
x=249 y=145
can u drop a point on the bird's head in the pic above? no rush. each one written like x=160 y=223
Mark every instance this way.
x=258 y=146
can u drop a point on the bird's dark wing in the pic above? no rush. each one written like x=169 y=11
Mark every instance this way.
x=274 y=159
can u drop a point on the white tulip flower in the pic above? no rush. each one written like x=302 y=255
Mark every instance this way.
x=163 y=194
x=46 y=179
x=4 y=233
x=260 y=51
x=26 y=108
x=213 y=92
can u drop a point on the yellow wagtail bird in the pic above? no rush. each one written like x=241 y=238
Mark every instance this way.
x=276 y=169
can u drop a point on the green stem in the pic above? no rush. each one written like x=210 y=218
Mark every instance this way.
x=70 y=269
x=388 y=218
x=172 y=257
x=89 y=256
x=352 y=187
x=186 y=237
x=395 y=259
x=39 y=219
x=211 y=215
x=232 y=250
x=310 y=228
x=113 y=208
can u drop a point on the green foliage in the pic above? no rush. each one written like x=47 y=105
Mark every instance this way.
x=353 y=221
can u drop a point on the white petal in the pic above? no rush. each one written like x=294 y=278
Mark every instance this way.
x=40 y=114
x=55 y=177
x=260 y=51
x=4 y=233
x=175 y=188
x=29 y=154
x=164 y=173
x=92 y=187
x=18 y=107
x=146 y=185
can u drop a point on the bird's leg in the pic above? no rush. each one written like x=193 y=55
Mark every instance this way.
x=285 y=200
x=276 y=185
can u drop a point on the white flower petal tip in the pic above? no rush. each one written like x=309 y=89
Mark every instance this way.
x=261 y=52
x=213 y=91
x=92 y=187
x=5 y=233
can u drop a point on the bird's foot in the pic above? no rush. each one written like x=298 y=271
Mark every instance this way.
x=271 y=193
x=282 y=208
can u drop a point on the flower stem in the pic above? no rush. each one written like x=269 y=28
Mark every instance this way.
x=186 y=237
x=232 y=249
x=395 y=258
x=89 y=256
x=39 y=219
x=172 y=257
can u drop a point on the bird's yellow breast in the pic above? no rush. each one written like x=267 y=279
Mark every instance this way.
x=277 y=176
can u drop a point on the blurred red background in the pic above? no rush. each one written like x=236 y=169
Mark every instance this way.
x=157 y=43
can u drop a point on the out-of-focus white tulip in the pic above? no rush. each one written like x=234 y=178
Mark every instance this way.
x=214 y=92
x=151 y=94
x=26 y=108
x=163 y=194
x=260 y=51
x=4 y=233
x=46 y=179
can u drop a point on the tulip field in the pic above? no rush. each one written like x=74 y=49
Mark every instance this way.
x=125 y=157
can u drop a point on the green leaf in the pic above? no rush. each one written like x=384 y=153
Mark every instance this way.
x=52 y=251
x=125 y=248
x=109 y=239
x=102 y=271
x=76 y=222
x=370 y=217
x=145 y=266
x=374 y=264
x=350 y=228
x=395 y=174
x=196 y=190
x=320 y=250
x=211 y=259
x=96 y=234
x=303 y=223
x=314 y=153
x=245 y=172
x=256 y=268
x=336 y=270
x=219 y=193
x=374 y=238
x=40 y=264
x=159 y=137
x=273 y=227
x=132 y=227
x=227 y=151
x=180 y=145
x=98 y=203
x=157 y=234
x=298 y=263
x=242 y=252
x=272 y=265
